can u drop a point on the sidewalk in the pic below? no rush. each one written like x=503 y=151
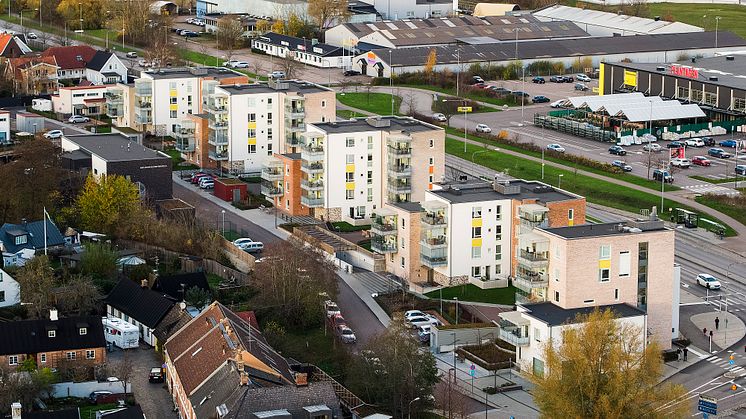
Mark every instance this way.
x=731 y=330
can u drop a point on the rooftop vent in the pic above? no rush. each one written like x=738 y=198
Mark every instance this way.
x=730 y=58
x=198 y=71
x=378 y=122
x=713 y=78
x=657 y=18
x=506 y=188
x=660 y=68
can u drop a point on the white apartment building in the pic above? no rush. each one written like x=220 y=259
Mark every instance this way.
x=80 y=100
x=250 y=122
x=351 y=168
x=10 y=291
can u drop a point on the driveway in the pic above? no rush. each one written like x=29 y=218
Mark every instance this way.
x=154 y=399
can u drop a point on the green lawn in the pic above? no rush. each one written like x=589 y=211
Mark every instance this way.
x=470 y=292
x=89 y=411
x=595 y=190
x=452 y=92
x=377 y=103
x=347 y=114
x=711 y=180
x=315 y=346
x=732 y=16
x=346 y=227
x=734 y=210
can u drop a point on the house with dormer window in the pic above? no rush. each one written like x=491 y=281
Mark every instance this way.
x=21 y=242
x=105 y=68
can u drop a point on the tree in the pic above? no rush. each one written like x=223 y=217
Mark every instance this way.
x=123 y=369
x=132 y=18
x=36 y=280
x=326 y=13
x=288 y=65
x=92 y=12
x=24 y=388
x=432 y=59
x=80 y=296
x=392 y=371
x=198 y=297
x=409 y=102
x=602 y=369
x=448 y=108
x=263 y=26
x=107 y=201
x=294 y=25
x=229 y=34
x=99 y=260
x=278 y=26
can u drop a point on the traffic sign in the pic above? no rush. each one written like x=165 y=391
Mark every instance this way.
x=464 y=108
x=731 y=362
x=708 y=405
x=472 y=370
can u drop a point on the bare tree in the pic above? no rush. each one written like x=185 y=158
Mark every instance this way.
x=326 y=13
x=409 y=102
x=81 y=296
x=447 y=108
x=288 y=65
x=36 y=280
x=257 y=67
x=452 y=402
x=229 y=35
x=123 y=369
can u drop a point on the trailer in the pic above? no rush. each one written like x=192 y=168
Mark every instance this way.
x=120 y=333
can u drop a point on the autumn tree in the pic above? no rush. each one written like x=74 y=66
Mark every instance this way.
x=263 y=26
x=603 y=369
x=432 y=59
x=278 y=26
x=392 y=371
x=294 y=25
x=92 y=12
x=106 y=201
x=36 y=280
x=326 y=13
x=229 y=34
x=133 y=19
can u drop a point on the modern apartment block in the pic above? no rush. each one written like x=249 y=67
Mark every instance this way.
x=248 y=123
x=603 y=265
x=471 y=232
x=351 y=168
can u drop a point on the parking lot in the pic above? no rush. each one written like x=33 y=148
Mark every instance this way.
x=154 y=398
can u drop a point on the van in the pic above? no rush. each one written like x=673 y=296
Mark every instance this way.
x=156 y=375
x=253 y=247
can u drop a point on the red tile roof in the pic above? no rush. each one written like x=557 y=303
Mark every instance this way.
x=23 y=62
x=249 y=317
x=70 y=57
x=4 y=41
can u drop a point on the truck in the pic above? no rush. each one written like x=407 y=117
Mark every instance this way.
x=120 y=333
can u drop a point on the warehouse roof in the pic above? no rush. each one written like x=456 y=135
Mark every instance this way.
x=730 y=69
x=623 y=23
x=554 y=48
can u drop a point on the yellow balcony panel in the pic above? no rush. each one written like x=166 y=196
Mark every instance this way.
x=350 y=186
x=476 y=222
x=476 y=242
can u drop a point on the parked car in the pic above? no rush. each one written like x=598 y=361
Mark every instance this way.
x=78 y=119
x=423 y=333
x=708 y=281
x=413 y=313
x=500 y=90
x=425 y=320
x=701 y=161
x=568 y=79
x=156 y=375
x=622 y=165
x=104 y=397
x=483 y=128
x=229 y=63
x=346 y=335
x=556 y=147
x=55 y=133
x=580 y=86
x=540 y=99
x=93 y=397
x=277 y=75
x=538 y=80
x=207 y=183
x=132 y=54
x=331 y=308
x=583 y=77
x=439 y=117
x=741 y=169
x=719 y=153
x=676 y=144
x=709 y=141
x=728 y=143
x=143 y=63
x=190 y=34
x=663 y=175
x=557 y=104
x=694 y=142
x=32 y=35
x=348 y=73
x=652 y=147
x=477 y=80
x=557 y=79
x=197 y=176
x=682 y=163
x=252 y=247
x=520 y=94
x=240 y=64
x=617 y=150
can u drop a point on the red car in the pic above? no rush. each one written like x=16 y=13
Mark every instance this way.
x=701 y=161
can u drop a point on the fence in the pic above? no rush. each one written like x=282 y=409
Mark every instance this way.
x=576 y=128
x=70 y=389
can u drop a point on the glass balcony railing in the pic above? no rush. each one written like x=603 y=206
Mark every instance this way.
x=383 y=246
x=311 y=167
x=271 y=190
x=272 y=173
x=400 y=186
x=312 y=201
x=434 y=242
x=312 y=185
x=400 y=151
x=513 y=336
x=531 y=282
x=433 y=219
x=383 y=226
x=218 y=155
x=433 y=261
x=400 y=170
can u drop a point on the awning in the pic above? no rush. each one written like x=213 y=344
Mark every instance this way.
x=384 y=212
x=514 y=317
x=433 y=205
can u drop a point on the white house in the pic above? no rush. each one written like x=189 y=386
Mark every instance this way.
x=307 y=51
x=4 y=127
x=79 y=100
x=105 y=68
x=10 y=291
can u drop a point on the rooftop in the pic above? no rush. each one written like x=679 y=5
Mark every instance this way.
x=292 y=86
x=291 y=156
x=146 y=306
x=554 y=315
x=386 y=123
x=607 y=229
x=300 y=44
x=728 y=69
x=35 y=232
x=176 y=285
x=188 y=72
x=33 y=336
x=407 y=206
x=514 y=189
x=625 y=24
x=114 y=147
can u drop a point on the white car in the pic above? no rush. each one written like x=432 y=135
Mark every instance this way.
x=229 y=63
x=583 y=78
x=207 y=183
x=483 y=128
x=240 y=64
x=413 y=313
x=55 y=133
x=683 y=163
x=557 y=103
x=556 y=147
x=78 y=119
x=652 y=147
x=32 y=35
x=277 y=75
x=426 y=320
x=331 y=308
x=694 y=142
x=439 y=117
x=132 y=54
x=708 y=281
x=242 y=241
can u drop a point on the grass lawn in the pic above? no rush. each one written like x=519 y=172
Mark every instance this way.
x=470 y=292
x=711 y=180
x=452 y=92
x=89 y=411
x=732 y=15
x=377 y=103
x=734 y=211
x=314 y=346
x=213 y=280
x=345 y=227
x=595 y=190
x=347 y=114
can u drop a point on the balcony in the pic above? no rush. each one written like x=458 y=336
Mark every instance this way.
x=295 y=112
x=312 y=151
x=143 y=104
x=400 y=170
x=270 y=190
x=143 y=89
x=218 y=155
x=184 y=135
x=296 y=127
x=433 y=219
x=400 y=151
x=311 y=167
x=217 y=108
x=513 y=336
x=292 y=139
x=437 y=242
x=383 y=246
x=514 y=328
x=272 y=173
x=115 y=97
x=218 y=125
x=312 y=201
x=114 y=110
x=531 y=282
x=312 y=185
x=533 y=259
x=533 y=215
x=400 y=186
x=217 y=138
x=433 y=261
x=143 y=115
x=383 y=226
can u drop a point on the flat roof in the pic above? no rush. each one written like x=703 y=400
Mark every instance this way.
x=386 y=123
x=407 y=206
x=554 y=315
x=730 y=69
x=605 y=229
x=114 y=147
x=477 y=192
x=293 y=86
x=187 y=72
x=291 y=156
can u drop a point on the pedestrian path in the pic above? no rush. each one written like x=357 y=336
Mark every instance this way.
x=376 y=283
x=729 y=330
x=704 y=188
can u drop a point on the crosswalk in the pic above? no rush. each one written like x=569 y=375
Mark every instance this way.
x=723 y=361
x=704 y=188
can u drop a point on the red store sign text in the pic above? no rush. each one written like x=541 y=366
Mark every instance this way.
x=688 y=72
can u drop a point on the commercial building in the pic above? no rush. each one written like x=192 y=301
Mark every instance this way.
x=114 y=154
x=716 y=84
x=265 y=9
x=80 y=100
x=248 y=123
x=414 y=9
x=306 y=51
x=659 y=48
x=351 y=168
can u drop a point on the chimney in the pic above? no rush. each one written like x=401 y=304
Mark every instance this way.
x=53 y=315
x=24 y=221
x=15 y=409
x=144 y=283
x=244 y=378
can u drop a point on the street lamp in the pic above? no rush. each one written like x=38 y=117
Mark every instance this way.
x=559 y=181
x=717 y=19
x=391 y=82
x=456 y=300
x=409 y=407
x=223 y=212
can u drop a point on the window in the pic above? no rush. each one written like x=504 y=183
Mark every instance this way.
x=476 y=271
x=1 y=276
x=556 y=296
x=432 y=144
x=189 y=100
x=498 y=233
x=683 y=93
x=251 y=102
x=476 y=252
x=252 y=133
x=603 y=275
x=403 y=242
x=269 y=134
x=83 y=331
x=13 y=360
x=402 y=262
x=604 y=263
x=269 y=149
x=21 y=240
x=252 y=117
x=498 y=213
x=624 y=263
x=476 y=232
x=251 y=148
x=349 y=194
x=173 y=100
x=570 y=214
x=70 y=356
x=370 y=142
x=370 y=160
x=269 y=101
x=739 y=104
x=269 y=117
x=370 y=177
x=616 y=294
x=537 y=334
x=498 y=252
x=323 y=103
x=349 y=142
x=697 y=96
x=43 y=358
x=604 y=252
x=173 y=114
x=51 y=333
x=711 y=98
x=370 y=194
x=90 y=354
x=498 y=269
x=476 y=212
x=350 y=159
x=349 y=177
x=431 y=161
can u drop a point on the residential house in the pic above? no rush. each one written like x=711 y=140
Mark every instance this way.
x=21 y=242
x=49 y=341
x=115 y=154
x=72 y=61
x=105 y=68
x=219 y=365
x=306 y=51
x=10 y=290
x=11 y=46
x=32 y=75
x=248 y=123
x=4 y=127
x=147 y=309
x=79 y=100
x=176 y=286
